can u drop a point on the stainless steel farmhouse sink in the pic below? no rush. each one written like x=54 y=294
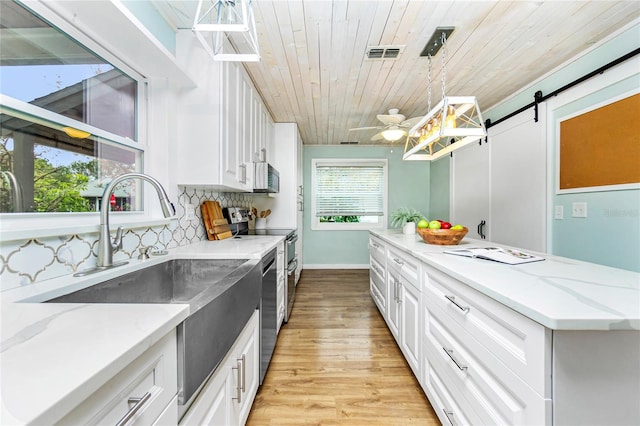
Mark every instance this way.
x=221 y=294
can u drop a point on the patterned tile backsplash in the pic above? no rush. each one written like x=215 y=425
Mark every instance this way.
x=27 y=261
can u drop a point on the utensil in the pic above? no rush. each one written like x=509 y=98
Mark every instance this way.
x=267 y=213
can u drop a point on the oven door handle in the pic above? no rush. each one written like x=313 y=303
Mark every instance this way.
x=293 y=265
x=292 y=240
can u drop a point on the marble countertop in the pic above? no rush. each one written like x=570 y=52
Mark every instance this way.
x=53 y=356
x=559 y=293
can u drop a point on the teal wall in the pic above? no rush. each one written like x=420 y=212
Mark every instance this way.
x=439 y=189
x=610 y=234
x=408 y=187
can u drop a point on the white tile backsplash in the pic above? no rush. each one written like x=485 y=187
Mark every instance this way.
x=27 y=261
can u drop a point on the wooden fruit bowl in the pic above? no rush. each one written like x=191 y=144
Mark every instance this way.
x=443 y=237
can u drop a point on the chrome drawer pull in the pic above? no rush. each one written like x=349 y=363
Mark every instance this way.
x=455 y=361
x=452 y=299
x=398 y=261
x=139 y=402
x=244 y=375
x=238 y=368
x=448 y=414
x=375 y=245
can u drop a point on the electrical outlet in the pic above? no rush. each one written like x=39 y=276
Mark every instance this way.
x=579 y=210
x=559 y=213
x=190 y=211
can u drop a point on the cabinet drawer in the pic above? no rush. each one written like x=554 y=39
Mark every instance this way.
x=151 y=379
x=521 y=344
x=450 y=410
x=495 y=393
x=378 y=298
x=376 y=275
x=377 y=250
x=407 y=266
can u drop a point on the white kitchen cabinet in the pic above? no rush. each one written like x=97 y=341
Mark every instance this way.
x=403 y=304
x=227 y=396
x=222 y=125
x=503 y=183
x=466 y=349
x=286 y=206
x=377 y=274
x=280 y=291
x=144 y=392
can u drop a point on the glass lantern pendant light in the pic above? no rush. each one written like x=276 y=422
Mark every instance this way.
x=454 y=122
x=227 y=29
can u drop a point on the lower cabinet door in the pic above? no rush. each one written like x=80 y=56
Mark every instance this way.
x=213 y=406
x=393 y=303
x=409 y=330
x=227 y=397
x=246 y=371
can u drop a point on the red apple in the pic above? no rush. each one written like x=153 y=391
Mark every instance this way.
x=445 y=225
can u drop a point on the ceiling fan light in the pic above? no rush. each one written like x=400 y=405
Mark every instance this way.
x=393 y=134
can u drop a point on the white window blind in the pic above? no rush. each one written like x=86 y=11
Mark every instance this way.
x=349 y=189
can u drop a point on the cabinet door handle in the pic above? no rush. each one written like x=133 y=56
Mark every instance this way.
x=449 y=352
x=481 y=226
x=449 y=414
x=238 y=369
x=138 y=403
x=244 y=373
x=263 y=154
x=452 y=299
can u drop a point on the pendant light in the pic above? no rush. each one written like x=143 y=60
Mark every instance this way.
x=454 y=122
x=227 y=30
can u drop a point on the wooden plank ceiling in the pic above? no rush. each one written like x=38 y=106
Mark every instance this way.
x=314 y=71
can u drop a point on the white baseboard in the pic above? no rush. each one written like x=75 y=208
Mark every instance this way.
x=336 y=266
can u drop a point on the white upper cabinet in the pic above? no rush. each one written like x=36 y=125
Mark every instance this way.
x=222 y=124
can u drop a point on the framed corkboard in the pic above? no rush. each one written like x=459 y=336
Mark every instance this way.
x=601 y=147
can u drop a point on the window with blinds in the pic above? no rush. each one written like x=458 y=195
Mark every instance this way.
x=348 y=193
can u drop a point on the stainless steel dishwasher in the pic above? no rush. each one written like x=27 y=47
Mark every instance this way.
x=268 y=311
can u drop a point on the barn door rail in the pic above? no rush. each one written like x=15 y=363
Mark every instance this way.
x=539 y=97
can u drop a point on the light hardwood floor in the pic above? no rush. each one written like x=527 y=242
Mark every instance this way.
x=336 y=363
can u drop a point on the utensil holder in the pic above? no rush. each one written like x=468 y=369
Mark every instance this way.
x=261 y=223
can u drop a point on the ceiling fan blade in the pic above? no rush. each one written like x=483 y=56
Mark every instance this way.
x=410 y=122
x=391 y=119
x=377 y=137
x=366 y=128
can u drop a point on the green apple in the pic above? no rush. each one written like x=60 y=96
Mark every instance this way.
x=434 y=224
x=423 y=223
x=457 y=227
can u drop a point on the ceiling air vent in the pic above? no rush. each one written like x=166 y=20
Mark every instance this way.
x=349 y=143
x=375 y=53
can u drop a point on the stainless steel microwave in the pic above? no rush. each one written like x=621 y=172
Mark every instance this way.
x=266 y=178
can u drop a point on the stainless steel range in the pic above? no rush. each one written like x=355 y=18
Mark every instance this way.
x=239 y=223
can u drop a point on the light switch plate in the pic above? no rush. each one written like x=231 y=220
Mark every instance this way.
x=579 y=210
x=559 y=212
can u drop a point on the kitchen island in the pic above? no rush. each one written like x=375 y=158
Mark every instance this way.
x=549 y=342
x=54 y=357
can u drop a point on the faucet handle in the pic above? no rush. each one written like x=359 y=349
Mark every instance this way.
x=117 y=241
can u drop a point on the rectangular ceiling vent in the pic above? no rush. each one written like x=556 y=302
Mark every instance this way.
x=349 y=143
x=379 y=53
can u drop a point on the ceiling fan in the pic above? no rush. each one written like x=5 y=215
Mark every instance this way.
x=395 y=126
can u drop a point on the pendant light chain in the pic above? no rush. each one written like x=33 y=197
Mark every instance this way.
x=444 y=58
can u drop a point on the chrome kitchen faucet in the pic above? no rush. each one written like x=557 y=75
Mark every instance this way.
x=106 y=247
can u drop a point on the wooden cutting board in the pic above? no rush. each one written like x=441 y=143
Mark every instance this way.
x=219 y=226
x=206 y=219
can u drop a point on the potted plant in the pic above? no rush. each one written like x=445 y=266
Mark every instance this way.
x=407 y=218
